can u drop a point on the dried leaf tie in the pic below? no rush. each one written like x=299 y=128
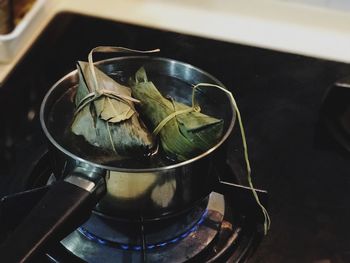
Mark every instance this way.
x=173 y=115
x=92 y=96
x=267 y=220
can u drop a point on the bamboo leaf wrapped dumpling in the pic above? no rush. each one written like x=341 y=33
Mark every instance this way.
x=186 y=132
x=106 y=117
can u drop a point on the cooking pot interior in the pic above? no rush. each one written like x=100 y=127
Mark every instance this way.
x=173 y=79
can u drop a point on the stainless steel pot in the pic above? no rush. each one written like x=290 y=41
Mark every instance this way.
x=119 y=191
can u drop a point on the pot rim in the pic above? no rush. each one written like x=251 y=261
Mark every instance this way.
x=133 y=170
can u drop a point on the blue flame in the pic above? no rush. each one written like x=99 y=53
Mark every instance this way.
x=106 y=242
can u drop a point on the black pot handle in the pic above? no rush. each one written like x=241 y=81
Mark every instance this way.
x=64 y=207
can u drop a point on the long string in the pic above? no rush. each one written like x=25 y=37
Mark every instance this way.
x=267 y=220
x=195 y=107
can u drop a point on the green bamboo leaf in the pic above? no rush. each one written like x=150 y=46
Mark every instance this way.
x=108 y=121
x=185 y=135
x=83 y=124
x=112 y=110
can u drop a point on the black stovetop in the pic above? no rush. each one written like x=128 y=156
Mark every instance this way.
x=280 y=96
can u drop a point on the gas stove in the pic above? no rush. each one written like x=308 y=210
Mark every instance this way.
x=212 y=230
x=292 y=154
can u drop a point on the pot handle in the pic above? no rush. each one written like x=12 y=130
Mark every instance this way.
x=65 y=206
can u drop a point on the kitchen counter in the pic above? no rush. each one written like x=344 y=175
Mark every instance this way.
x=280 y=25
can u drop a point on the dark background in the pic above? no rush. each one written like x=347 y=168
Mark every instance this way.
x=280 y=97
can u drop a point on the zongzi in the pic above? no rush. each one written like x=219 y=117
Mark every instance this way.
x=105 y=115
x=184 y=132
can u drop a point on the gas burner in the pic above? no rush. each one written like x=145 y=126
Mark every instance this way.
x=213 y=230
x=178 y=240
x=132 y=235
